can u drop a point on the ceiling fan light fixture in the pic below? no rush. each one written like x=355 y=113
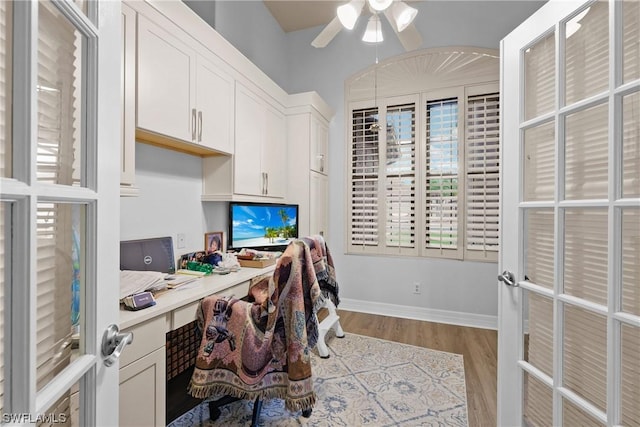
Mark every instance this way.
x=403 y=15
x=348 y=13
x=373 y=33
x=380 y=5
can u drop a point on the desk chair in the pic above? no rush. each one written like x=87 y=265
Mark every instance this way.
x=326 y=276
x=259 y=348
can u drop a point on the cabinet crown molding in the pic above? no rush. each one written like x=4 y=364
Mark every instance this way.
x=304 y=102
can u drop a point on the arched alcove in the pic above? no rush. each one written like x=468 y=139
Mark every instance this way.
x=425 y=70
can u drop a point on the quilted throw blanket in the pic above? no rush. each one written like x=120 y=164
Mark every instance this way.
x=323 y=266
x=261 y=347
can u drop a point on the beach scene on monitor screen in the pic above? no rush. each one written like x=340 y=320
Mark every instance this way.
x=263 y=225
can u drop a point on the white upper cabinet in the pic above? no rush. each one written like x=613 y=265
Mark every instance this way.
x=250 y=127
x=274 y=153
x=319 y=152
x=166 y=76
x=214 y=100
x=184 y=100
x=260 y=152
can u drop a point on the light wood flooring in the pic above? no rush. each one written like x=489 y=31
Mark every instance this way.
x=478 y=347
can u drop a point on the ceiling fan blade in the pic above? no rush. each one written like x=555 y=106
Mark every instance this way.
x=409 y=37
x=328 y=33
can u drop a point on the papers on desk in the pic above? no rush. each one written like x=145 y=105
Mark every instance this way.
x=180 y=280
x=134 y=282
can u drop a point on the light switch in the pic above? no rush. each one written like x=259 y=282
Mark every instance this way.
x=180 y=240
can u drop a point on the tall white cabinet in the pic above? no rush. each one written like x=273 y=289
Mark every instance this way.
x=308 y=120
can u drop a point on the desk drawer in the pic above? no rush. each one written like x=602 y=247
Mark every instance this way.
x=239 y=291
x=184 y=315
x=147 y=337
x=187 y=313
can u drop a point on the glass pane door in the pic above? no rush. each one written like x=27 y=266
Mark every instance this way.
x=573 y=234
x=57 y=257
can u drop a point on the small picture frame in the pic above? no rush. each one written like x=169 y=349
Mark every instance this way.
x=214 y=241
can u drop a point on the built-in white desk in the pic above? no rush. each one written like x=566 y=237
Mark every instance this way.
x=142 y=364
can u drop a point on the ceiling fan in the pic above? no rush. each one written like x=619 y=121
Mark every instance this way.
x=399 y=14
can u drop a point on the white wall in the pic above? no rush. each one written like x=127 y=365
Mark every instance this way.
x=170 y=182
x=169 y=203
x=250 y=27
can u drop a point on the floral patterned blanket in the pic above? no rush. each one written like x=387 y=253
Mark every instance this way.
x=261 y=347
x=323 y=266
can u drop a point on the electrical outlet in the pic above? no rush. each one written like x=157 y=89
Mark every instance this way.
x=417 y=288
x=180 y=241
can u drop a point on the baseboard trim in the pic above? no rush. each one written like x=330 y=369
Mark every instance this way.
x=417 y=313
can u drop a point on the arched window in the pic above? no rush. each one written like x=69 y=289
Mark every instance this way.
x=423 y=155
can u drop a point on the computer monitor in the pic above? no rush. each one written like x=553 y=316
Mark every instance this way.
x=262 y=226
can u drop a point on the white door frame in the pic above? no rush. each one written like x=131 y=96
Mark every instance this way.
x=511 y=324
x=99 y=192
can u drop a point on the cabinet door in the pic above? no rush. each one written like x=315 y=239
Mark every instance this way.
x=165 y=82
x=142 y=391
x=274 y=154
x=318 y=203
x=128 y=94
x=319 y=146
x=249 y=129
x=215 y=104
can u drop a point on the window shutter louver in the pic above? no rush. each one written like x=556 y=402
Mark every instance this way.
x=400 y=176
x=587 y=53
x=482 y=171
x=631 y=40
x=441 y=201
x=365 y=159
x=586 y=155
x=539 y=84
x=59 y=124
x=5 y=92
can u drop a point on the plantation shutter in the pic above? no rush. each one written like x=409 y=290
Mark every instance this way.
x=365 y=159
x=400 y=185
x=482 y=172
x=5 y=89
x=59 y=85
x=441 y=190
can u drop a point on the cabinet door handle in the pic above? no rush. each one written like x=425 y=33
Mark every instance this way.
x=321 y=162
x=266 y=186
x=193 y=124
x=200 y=126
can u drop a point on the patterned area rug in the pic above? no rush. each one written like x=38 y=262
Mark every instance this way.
x=365 y=382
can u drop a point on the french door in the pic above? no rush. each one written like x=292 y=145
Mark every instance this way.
x=59 y=210
x=569 y=297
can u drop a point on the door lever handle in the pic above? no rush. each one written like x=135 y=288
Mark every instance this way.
x=508 y=278
x=113 y=343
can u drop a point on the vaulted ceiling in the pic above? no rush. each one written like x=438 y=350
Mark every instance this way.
x=293 y=15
